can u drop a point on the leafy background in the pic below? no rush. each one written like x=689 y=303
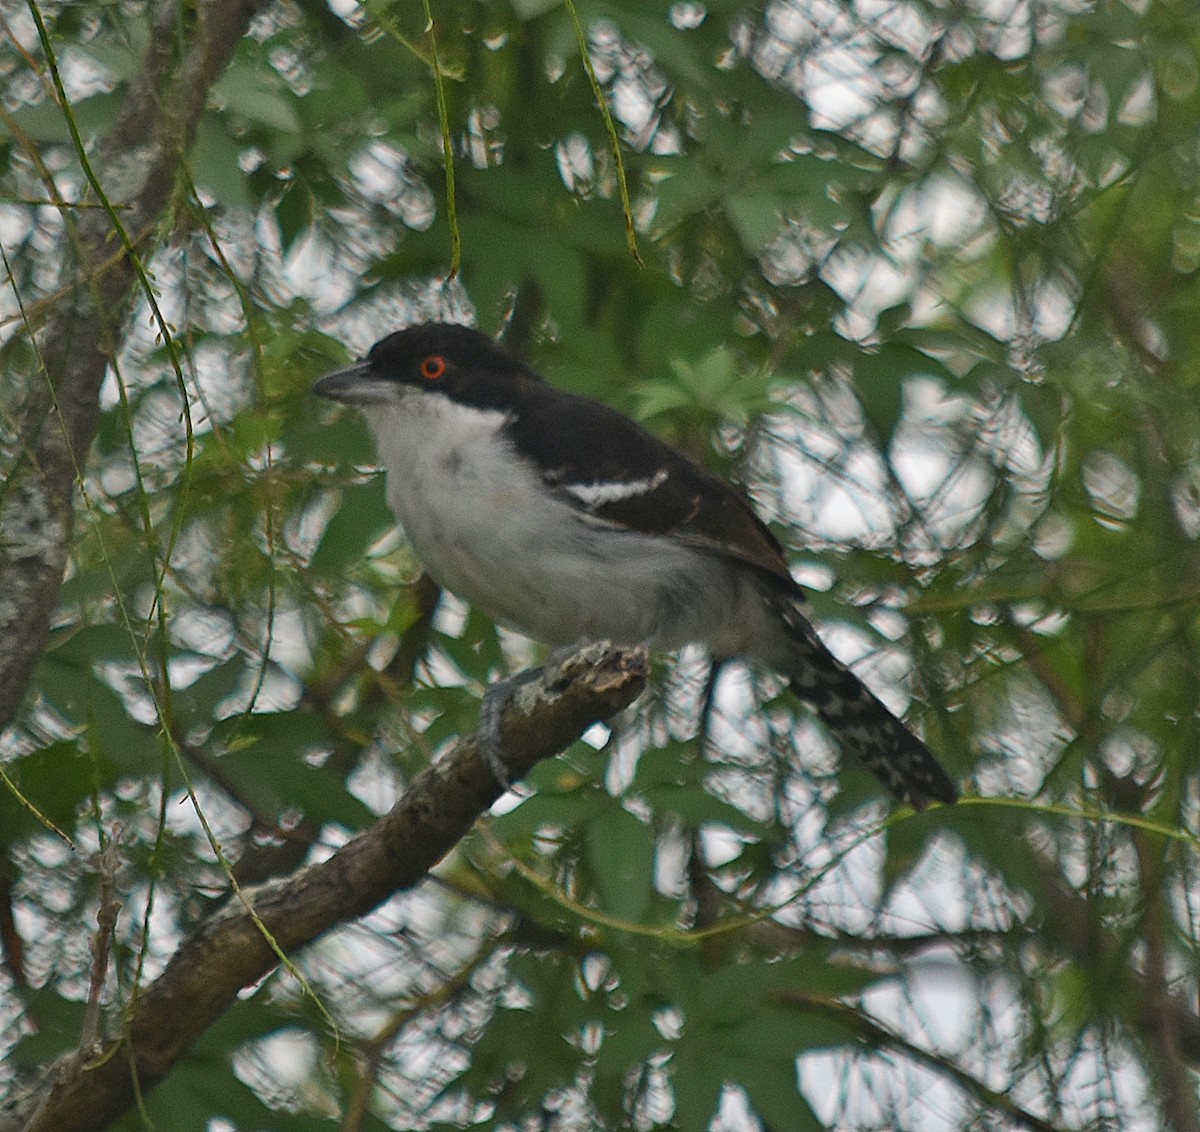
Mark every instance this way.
x=922 y=276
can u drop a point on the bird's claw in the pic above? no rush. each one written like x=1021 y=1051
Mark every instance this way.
x=496 y=698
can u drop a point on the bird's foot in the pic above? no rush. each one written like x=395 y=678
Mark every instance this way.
x=496 y=698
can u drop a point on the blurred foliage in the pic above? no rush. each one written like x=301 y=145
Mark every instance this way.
x=925 y=277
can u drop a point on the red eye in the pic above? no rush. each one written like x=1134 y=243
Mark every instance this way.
x=433 y=367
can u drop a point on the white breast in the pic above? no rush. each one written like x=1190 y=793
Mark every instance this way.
x=480 y=520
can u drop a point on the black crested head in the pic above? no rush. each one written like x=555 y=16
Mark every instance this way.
x=462 y=344
x=457 y=361
x=452 y=361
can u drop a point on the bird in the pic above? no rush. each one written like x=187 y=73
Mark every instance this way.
x=560 y=517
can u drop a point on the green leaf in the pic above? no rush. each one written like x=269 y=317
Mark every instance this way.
x=58 y=780
x=265 y=761
x=697 y=1089
x=68 y=680
x=879 y=377
x=214 y=163
x=359 y=520
x=773 y=1088
x=687 y=188
x=45 y=121
x=202 y=699
x=715 y=388
x=756 y=217
x=259 y=95
x=531 y=9
x=697 y=807
x=549 y=810
x=620 y=857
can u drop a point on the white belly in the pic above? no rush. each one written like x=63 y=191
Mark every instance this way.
x=478 y=518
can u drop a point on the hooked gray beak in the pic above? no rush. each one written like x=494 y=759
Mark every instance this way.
x=357 y=384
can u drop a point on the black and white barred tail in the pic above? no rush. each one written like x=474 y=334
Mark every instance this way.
x=863 y=726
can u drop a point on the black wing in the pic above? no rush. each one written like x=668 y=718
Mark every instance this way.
x=612 y=469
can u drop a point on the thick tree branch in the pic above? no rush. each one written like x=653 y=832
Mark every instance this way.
x=136 y=164
x=229 y=951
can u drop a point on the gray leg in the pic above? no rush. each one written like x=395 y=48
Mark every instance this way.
x=496 y=698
